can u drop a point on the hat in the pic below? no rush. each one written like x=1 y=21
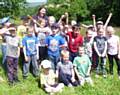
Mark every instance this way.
x=90 y=26
x=12 y=28
x=46 y=64
x=99 y=22
x=4 y=20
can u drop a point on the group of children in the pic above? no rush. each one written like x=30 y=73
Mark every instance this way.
x=64 y=55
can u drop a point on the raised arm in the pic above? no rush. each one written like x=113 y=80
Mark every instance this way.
x=108 y=20
x=94 y=22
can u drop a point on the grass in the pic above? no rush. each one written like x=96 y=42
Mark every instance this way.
x=103 y=86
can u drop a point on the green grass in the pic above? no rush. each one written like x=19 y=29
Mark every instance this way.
x=103 y=86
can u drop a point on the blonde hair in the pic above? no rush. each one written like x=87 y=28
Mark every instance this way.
x=64 y=53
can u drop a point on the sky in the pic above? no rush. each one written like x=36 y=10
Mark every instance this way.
x=34 y=1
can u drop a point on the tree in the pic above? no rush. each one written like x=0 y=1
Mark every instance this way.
x=11 y=7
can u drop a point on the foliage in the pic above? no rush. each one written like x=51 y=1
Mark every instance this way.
x=77 y=9
x=11 y=7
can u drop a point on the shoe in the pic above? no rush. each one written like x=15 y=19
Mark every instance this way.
x=119 y=77
x=10 y=83
x=24 y=77
x=17 y=81
x=105 y=76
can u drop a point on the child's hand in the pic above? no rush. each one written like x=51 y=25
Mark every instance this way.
x=118 y=56
x=26 y=59
x=73 y=79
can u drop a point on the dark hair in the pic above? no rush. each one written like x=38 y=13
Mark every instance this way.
x=40 y=9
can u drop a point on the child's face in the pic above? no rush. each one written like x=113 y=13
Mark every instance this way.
x=101 y=32
x=30 y=31
x=81 y=51
x=46 y=70
x=89 y=34
x=66 y=58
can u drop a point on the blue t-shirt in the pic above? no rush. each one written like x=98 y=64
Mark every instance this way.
x=30 y=44
x=53 y=42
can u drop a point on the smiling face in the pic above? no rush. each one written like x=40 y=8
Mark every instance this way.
x=42 y=12
x=101 y=32
x=110 y=31
x=81 y=51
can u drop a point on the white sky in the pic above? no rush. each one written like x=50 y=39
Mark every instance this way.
x=31 y=1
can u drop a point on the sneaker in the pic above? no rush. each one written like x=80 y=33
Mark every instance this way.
x=119 y=77
x=105 y=76
x=24 y=77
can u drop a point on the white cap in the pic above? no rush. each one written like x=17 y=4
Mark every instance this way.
x=46 y=64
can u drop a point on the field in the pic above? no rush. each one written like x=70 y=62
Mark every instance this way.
x=102 y=86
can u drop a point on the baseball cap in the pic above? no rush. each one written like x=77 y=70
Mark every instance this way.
x=46 y=64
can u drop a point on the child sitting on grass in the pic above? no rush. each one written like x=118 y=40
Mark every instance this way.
x=65 y=70
x=82 y=65
x=47 y=78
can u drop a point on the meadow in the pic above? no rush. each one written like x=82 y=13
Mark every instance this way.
x=30 y=86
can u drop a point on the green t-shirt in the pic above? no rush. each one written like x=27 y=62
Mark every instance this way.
x=82 y=64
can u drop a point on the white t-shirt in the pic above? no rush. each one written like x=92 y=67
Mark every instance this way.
x=113 y=44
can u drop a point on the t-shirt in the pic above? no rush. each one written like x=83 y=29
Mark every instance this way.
x=12 y=44
x=48 y=79
x=66 y=68
x=74 y=43
x=82 y=64
x=53 y=42
x=88 y=46
x=113 y=44
x=41 y=38
x=100 y=43
x=30 y=44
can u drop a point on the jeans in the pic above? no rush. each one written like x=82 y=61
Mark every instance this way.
x=111 y=63
x=32 y=60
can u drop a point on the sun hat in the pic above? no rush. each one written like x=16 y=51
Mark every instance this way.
x=46 y=64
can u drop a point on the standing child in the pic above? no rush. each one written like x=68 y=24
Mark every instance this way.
x=88 y=42
x=48 y=77
x=12 y=54
x=83 y=66
x=30 y=48
x=113 y=49
x=65 y=70
x=54 y=44
x=100 y=47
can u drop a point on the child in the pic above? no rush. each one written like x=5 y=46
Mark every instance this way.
x=100 y=50
x=82 y=65
x=65 y=70
x=74 y=41
x=30 y=48
x=12 y=54
x=48 y=78
x=113 y=49
x=88 y=42
x=54 y=44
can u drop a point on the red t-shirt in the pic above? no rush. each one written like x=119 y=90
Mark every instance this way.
x=74 y=42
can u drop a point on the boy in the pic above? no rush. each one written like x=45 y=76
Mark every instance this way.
x=74 y=41
x=65 y=70
x=100 y=50
x=47 y=78
x=54 y=44
x=82 y=65
x=113 y=49
x=12 y=54
x=30 y=48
